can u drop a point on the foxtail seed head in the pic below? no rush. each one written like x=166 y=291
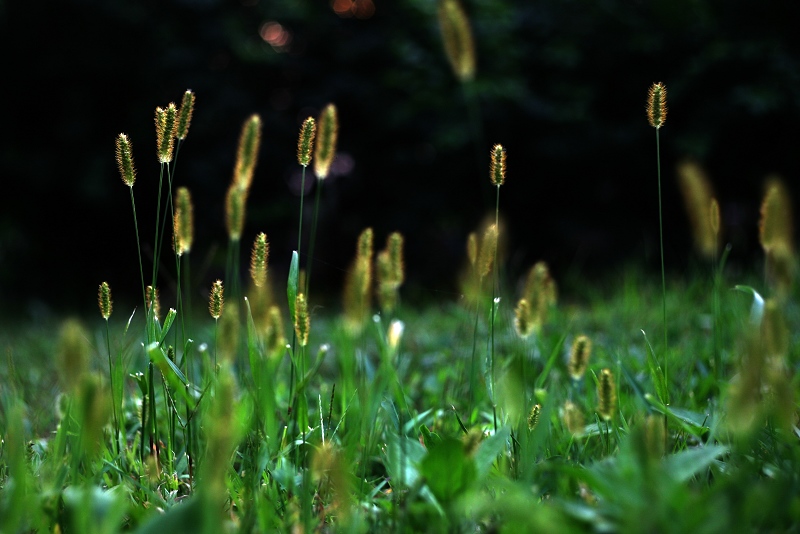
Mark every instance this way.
x=697 y=194
x=714 y=217
x=579 y=356
x=657 y=105
x=184 y=221
x=306 y=142
x=775 y=226
x=185 y=115
x=151 y=297
x=498 y=166
x=302 y=321
x=273 y=331
x=457 y=37
x=235 y=202
x=573 y=418
x=606 y=394
x=258 y=260
x=166 y=122
x=522 y=319
x=325 y=148
x=104 y=300
x=533 y=416
x=488 y=250
x=216 y=300
x=357 y=292
x=472 y=248
x=394 y=244
x=247 y=153
x=125 y=160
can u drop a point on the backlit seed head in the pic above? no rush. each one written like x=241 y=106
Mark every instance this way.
x=654 y=436
x=606 y=395
x=216 y=300
x=152 y=300
x=166 y=123
x=394 y=244
x=657 y=105
x=522 y=319
x=697 y=196
x=185 y=115
x=302 y=321
x=714 y=217
x=184 y=221
x=357 y=292
x=306 y=142
x=125 y=160
x=72 y=353
x=472 y=248
x=775 y=226
x=488 y=250
x=235 y=202
x=247 y=153
x=259 y=259
x=273 y=332
x=104 y=300
x=573 y=418
x=457 y=36
x=533 y=416
x=541 y=293
x=498 y=166
x=325 y=148
x=579 y=357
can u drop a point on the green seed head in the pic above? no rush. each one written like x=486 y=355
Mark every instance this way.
x=457 y=36
x=73 y=354
x=488 y=250
x=302 y=321
x=259 y=259
x=125 y=160
x=522 y=319
x=247 y=153
x=579 y=357
x=573 y=418
x=498 y=166
x=166 y=122
x=235 y=202
x=104 y=300
x=184 y=221
x=657 y=105
x=216 y=300
x=185 y=115
x=306 y=141
x=606 y=395
x=533 y=417
x=325 y=148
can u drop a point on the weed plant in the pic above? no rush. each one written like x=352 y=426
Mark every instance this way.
x=386 y=418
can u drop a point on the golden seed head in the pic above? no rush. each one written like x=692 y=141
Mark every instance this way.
x=774 y=334
x=72 y=353
x=125 y=160
x=235 y=202
x=573 y=418
x=654 y=436
x=184 y=221
x=325 y=148
x=216 y=300
x=185 y=115
x=775 y=226
x=357 y=301
x=306 y=142
x=606 y=395
x=104 y=300
x=166 y=123
x=714 y=217
x=259 y=259
x=302 y=321
x=472 y=248
x=152 y=300
x=533 y=417
x=657 y=105
x=394 y=244
x=522 y=319
x=579 y=356
x=488 y=250
x=498 y=166
x=247 y=153
x=541 y=293
x=457 y=37
x=697 y=196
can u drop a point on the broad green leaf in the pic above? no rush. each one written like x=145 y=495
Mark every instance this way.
x=174 y=377
x=168 y=320
x=489 y=449
x=757 y=308
x=447 y=469
x=685 y=464
x=656 y=374
x=431 y=439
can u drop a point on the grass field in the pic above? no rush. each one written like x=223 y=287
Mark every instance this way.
x=633 y=405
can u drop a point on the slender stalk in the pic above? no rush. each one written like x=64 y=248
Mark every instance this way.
x=663 y=276
x=138 y=246
x=113 y=395
x=313 y=238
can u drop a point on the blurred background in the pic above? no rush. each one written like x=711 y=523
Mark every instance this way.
x=562 y=84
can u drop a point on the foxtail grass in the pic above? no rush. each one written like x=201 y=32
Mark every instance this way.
x=656 y=115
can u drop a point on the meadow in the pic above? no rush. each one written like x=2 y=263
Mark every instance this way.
x=633 y=405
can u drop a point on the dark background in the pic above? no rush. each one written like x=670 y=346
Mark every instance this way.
x=562 y=84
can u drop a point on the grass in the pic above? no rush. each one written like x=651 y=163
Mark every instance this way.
x=381 y=422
